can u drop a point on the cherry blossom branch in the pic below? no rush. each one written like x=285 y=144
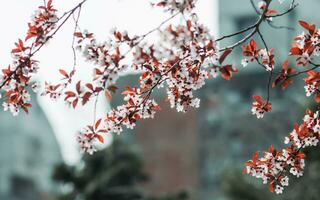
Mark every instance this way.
x=255 y=28
x=279 y=27
x=293 y=5
x=270 y=65
x=31 y=54
x=315 y=66
x=254 y=7
x=76 y=27
x=186 y=56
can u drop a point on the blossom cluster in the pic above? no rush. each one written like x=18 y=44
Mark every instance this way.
x=306 y=45
x=263 y=56
x=16 y=78
x=259 y=107
x=274 y=166
x=183 y=59
x=284 y=77
x=176 y=5
x=185 y=56
x=312 y=85
x=106 y=56
x=137 y=107
x=126 y=115
x=89 y=135
x=44 y=20
x=193 y=54
x=304 y=48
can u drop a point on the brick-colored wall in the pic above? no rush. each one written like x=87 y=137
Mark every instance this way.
x=170 y=149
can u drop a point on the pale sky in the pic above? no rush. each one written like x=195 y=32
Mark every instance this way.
x=98 y=16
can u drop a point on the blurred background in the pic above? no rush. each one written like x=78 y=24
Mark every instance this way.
x=199 y=155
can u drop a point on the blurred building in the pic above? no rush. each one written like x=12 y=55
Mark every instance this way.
x=169 y=145
x=29 y=151
x=228 y=133
x=196 y=150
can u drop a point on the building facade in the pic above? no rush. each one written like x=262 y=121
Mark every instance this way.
x=228 y=133
x=29 y=151
x=197 y=150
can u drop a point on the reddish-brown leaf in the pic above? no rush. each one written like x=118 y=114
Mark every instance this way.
x=99 y=137
x=118 y=35
x=86 y=97
x=64 y=73
x=74 y=103
x=69 y=94
x=112 y=88
x=317 y=98
x=295 y=51
x=271 y=12
x=78 y=34
x=96 y=126
x=90 y=86
x=272 y=186
x=224 y=55
x=258 y=99
x=255 y=157
x=304 y=24
x=108 y=95
x=310 y=28
x=226 y=71
x=78 y=87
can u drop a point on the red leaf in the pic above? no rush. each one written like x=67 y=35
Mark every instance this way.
x=90 y=86
x=317 y=98
x=157 y=107
x=98 y=89
x=310 y=28
x=112 y=88
x=99 y=137
x=253 y=44
x=255 y=157
x=272 y=186
x=19 y=47
x=78 y=34
x=74 y=103
x=69 y=94
x=224 y=55
x=49 y=4
x=128 y=90
x=118 y=35
x=78 y=87
x=189 y=24
x=272 y=150
x=98 y=71
x=285 y=65
x=295 y=51
x=271 y=12
x=258 y=99
x=226 y=71
x=64 y=73
x=304 y=24
x=108 y=95
x=250 y=49
x=301 y=155
x=286 y=84
x=162 y=4
x=96 y=126
x=26 y=107
x=86 y=97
